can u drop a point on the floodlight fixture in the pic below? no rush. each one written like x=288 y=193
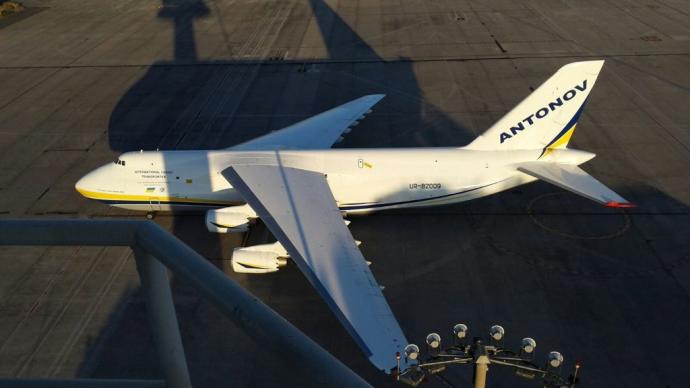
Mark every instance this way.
x=433 y=340
x=528 y=345
x=497 y=332
x=460 y=331
x=411 y=351
x=555 y=359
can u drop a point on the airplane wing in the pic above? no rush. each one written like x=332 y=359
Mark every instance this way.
x=317 y=132
x=299 y=208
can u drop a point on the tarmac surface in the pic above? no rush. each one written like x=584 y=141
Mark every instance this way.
x=83 y=81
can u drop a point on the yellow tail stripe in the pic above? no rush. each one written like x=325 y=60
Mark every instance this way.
x=561 y=142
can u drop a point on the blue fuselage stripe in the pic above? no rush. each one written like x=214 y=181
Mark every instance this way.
x=380 y=205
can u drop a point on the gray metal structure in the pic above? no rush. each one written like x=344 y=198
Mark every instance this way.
x=155 y=249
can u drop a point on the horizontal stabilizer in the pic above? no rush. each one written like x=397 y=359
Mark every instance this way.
x=575 y=179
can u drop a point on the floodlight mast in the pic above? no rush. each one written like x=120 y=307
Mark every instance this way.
x=482 y=354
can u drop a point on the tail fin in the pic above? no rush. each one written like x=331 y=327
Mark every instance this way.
x=546 y=119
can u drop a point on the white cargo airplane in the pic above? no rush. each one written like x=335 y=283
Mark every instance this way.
x=300 y=188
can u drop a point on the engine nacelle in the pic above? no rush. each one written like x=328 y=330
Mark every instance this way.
x=276 y=248
x=234 y=219
x=252 y=261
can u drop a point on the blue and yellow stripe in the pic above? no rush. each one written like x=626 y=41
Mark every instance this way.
x=563 y=137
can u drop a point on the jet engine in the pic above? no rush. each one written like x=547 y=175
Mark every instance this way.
x=258 y=259
x=233 y=219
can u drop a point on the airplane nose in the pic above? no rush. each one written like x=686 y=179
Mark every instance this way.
x=80 y=186
x=92 y=184
x=85 y=184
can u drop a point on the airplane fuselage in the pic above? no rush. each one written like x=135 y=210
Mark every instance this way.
x=361 y=180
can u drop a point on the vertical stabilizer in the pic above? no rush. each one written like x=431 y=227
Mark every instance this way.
x=546 y=119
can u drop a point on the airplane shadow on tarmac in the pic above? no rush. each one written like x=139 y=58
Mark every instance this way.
x=188 y=103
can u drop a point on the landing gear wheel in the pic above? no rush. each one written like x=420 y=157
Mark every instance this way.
x=150 y=215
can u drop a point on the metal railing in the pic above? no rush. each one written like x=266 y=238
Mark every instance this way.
x=154 y=249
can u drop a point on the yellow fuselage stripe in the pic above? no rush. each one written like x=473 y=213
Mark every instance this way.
x=130 y=197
